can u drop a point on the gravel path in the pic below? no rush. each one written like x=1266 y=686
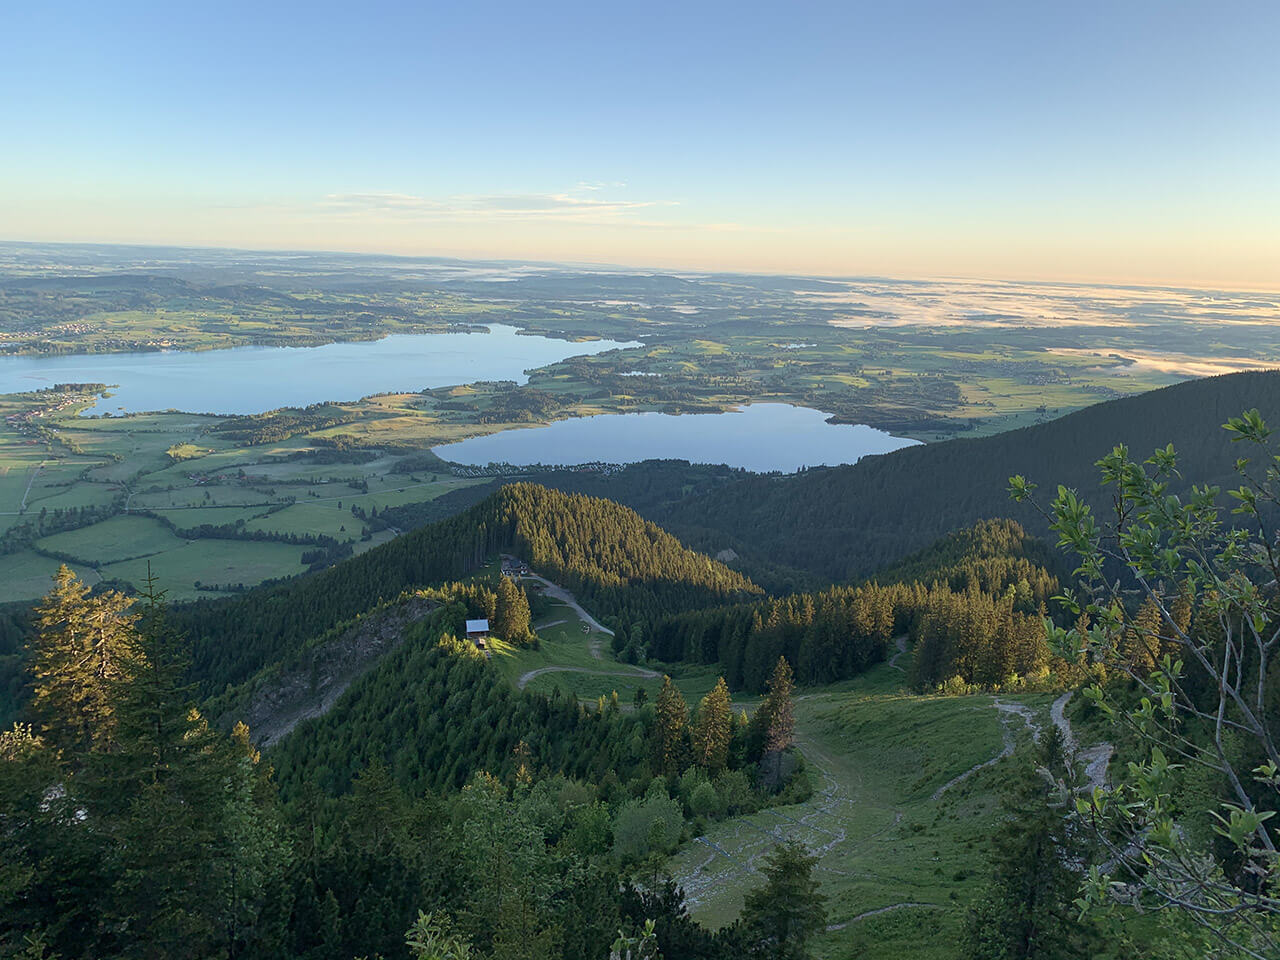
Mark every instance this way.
x=1095 y=758
x=640 y=672
x=557 y=592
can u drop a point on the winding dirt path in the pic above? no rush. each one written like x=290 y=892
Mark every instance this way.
x=1007 y=710
x=901 y=644
x=823 y=828
x=640 y=672
x=557 y=592
x=832 y=927
x=1095 y=758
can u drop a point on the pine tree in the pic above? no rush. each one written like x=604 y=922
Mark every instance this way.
x=1142 y=643
x=199 y=853
x=511 y=613
x=713 y=729
x=773 y=726
x=781 y=916
x=1027 y=911
x=779 y=709
x=78 y=653
x=671 y=728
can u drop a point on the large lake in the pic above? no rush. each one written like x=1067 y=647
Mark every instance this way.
x=759 y=437
x=254 y=379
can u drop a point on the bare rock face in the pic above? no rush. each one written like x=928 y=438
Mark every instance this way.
x=727 y=555
x=278 y=703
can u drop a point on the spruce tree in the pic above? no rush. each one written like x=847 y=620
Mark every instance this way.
x=1142 y=644
x=782 y=916
x=79 y=651
x=713 y=729
x=774 y=724
x=511 y=613
x=199 y=854
x=1027 y=911
x=671 y=728
x=780 y=711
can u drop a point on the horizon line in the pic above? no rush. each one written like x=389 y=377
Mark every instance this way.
x=635 y=268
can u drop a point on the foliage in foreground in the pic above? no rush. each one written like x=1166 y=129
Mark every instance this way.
x=1200 y=702
x=132 y=829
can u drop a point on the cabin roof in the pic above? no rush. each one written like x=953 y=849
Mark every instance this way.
x=477 y=626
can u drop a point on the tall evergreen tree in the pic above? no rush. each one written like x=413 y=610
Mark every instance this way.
x=671 y=728
x=199 y=856
x=780 y=711
x=782 y=916
x=713 y=729
x=79 y=651
x=1027 y=911
x=1141 y=645
x=773 y=726
x=511 y=612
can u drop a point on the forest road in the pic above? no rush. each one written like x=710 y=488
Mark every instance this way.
x=557 y=592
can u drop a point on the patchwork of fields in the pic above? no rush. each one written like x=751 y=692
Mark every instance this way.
x=112 y=496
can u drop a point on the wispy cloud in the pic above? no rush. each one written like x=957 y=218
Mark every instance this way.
x=599 y=185
x=566 y=206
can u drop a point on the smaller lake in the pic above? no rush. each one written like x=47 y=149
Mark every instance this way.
x=253 y=379
x=760 y=437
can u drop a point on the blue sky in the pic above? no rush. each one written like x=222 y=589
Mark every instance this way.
x=1124 y=140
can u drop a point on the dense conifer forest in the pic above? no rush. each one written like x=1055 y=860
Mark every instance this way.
x=971 y=604
x=623 y=566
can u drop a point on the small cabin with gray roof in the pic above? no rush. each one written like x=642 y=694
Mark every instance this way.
x=478 y=632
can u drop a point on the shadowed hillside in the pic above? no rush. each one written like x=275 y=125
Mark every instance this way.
x=847 y=522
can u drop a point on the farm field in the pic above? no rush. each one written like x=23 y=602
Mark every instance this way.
x=218 y=562
x=119 y=538
x=26 y=575
x=104 y=491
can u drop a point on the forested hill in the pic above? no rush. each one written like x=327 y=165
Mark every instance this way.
x=990 y=555
x=972 y=603
x=619 y=564
x=845 y=523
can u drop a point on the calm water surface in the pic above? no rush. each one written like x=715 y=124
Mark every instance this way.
x=254 y=379
x=760 y=437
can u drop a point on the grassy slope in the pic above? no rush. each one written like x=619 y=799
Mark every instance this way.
x=877 y=755
x=567 y=645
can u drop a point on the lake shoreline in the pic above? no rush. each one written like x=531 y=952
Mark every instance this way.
x=246 y=380
x=768 y=438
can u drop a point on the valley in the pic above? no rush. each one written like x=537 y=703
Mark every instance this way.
x=703 y=669
x=543 y=481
